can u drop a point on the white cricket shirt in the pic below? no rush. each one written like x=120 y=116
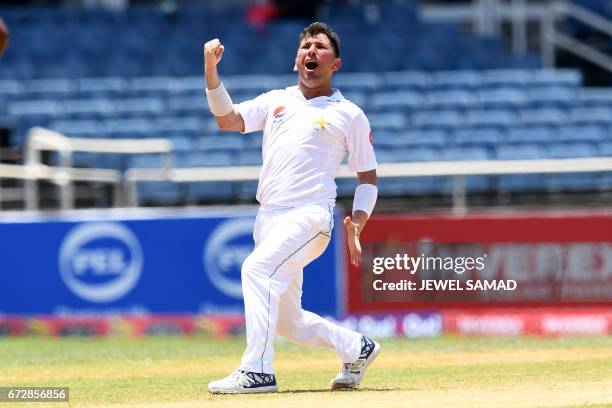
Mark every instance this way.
x=304 y=142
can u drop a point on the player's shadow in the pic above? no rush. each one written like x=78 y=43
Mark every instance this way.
x=327 y=390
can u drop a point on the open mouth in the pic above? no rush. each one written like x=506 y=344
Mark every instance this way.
x=311 y=65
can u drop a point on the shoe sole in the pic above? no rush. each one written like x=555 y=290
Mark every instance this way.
x=245 y=390
x=344 y=386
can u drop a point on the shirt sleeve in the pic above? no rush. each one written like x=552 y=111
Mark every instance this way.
x=360 y=150
x=254 y=112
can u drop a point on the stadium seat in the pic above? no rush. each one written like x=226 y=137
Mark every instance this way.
x=556 y=96
x=505 y=78
x=437 y=119
x=478 y=137
x=450 y=99
x=592 y=116
x=491 y=118
x=569 y=150
x=587 y=134
x=556 y=77
x=456 y=80
x=543 y=117
x=415 y=80
x=502 y=98
x=400 y=99
x=419 y=138
x=530 y=134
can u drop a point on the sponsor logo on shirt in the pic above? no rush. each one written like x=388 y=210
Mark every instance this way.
x=279 y=113
x=320 y=124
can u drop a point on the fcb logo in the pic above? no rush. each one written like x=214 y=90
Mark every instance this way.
x=279 y=113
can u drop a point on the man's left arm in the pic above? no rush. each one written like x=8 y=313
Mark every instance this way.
x=363 y=204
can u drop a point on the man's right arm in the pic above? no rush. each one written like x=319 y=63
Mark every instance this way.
x=218 y=99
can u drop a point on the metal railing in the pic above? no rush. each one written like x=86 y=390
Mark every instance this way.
x=553 y=38
x=41 y=139
x=458 y=170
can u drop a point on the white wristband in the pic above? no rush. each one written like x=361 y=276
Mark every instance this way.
x=219 y=101
x=365 y=198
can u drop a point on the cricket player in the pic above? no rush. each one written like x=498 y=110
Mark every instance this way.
x=307 y=130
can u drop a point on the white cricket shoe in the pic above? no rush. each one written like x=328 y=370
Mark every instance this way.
x=351 y=374
x=244 y=382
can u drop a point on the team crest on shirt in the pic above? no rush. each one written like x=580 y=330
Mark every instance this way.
x=279 y=113
x=320 y=124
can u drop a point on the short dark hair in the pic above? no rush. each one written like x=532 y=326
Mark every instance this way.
x=322 y=28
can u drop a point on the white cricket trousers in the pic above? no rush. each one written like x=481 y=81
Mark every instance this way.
x=286 y=240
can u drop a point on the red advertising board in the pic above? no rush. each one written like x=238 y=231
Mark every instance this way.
x=557 y=258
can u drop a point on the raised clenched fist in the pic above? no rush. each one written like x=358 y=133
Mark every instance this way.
x=213 y=50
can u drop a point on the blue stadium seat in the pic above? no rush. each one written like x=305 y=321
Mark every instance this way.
x=502 y=98
x=87 y=108
x=592 y=116
x=437 y=119
x=415 y=80
x=543 y=117
x=466 y=153
x=210 y=191
x=225 y=142
x=556 y=77
x=491 y=118
x=387 y=140
x=357 y=81
x=530 y=134
x=50 y=108
x=181 y=143
x=205 y=159
x=399 y=99
x=387 y=121
x=422 y=138
x=148 y=161
x=188 y=105
x=569 y=150
x=586 y=134
x=408 y=186
x=11 y=88
x=456 y=80
x=159 y=193
x=78 y=128
x=593 y=97
x=524 y=151
x=415 y=154
x=478 y=137
x=521 y=182
x=130 y=128
x=605 y=149
x=138 y=106
x=555 y=96
x=176 y=124
x=102 y=87
x=51 y=88
x=250 y=158
x=451 y=99
x=505 y=78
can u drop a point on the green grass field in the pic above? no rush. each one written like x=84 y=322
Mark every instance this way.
x=443 y=372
